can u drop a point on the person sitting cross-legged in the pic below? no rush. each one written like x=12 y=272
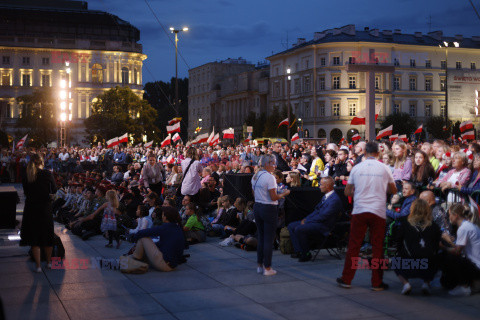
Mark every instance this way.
x=316 y=224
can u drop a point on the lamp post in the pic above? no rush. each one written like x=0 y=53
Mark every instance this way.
x=300 y=127
x=176 y=31
x=65 y=104
x=199 y=121
x=445 y=45
x=289 y=78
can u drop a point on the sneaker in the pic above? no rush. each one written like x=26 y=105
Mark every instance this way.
x=407 y=288
x=381 y=287
x=227 y=242
x=38 y=270
x=343 y=284
x=270 y=272
x=425 y=289
x=460 y=291
x=304 y=257
x=260 y=270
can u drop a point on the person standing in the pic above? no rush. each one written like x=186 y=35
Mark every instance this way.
x=369 y=182
x=152 y=175
x=192 y=170
x=265 y=210
x=37 y=223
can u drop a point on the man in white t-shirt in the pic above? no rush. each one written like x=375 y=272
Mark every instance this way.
x=369 y=183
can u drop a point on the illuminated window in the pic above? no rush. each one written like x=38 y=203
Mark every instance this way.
x=97 y=73
x=336 y=109
x=352 y=109
x=125 y=76
x=45 y=80
x=26 y=80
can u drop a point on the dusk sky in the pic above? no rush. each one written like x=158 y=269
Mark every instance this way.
x=221 y=29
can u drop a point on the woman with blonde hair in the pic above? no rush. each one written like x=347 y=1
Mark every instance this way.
x=109 y=220
x=293 y=179
x=402 y=164
x=37 y=223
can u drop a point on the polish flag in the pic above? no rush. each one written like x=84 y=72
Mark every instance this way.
x=174 y=128
x=341 y=140
x=228 y=133
x=21 y=142
x=285 y=122
x=419 y=129
x=356 y=137
x=466 y=125
x=148 y=144
x=202 y=138
x=359 y=119
x=393 y=137
x=295 y=137
x=385 y=132
x=212 y=135
x=403 y=137
x=445 y=128
x=112 y=142
x=469 y=135
x=174 y=120
x=166 y=142
x=170 y=159
x=176 y=137
x=215 y=140
x=123 y=138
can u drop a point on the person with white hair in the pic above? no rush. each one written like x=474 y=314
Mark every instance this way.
x=360 y=151
x=332 y=146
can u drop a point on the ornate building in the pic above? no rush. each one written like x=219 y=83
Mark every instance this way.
x=42 y=41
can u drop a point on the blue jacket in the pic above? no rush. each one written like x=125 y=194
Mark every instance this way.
x=476 y=186
x=326 y=212
x=120 y=158
x=404 y=210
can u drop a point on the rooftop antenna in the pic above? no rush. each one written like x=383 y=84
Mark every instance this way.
x=429 y=23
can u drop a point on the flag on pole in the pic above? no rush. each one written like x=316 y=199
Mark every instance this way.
x=112 y=142
x=341 y=140
x=21 y=142
x=295 y=137
x=174 y=120
x=356 y=137
x=176 y=137
x=393 y=137
x=202 y=138
x=359 y=119
x=173 y=128
x=148 y=144
x=284 y=122
x=385 y=132
x=469 y=135
x=212 y=135
x=123 y=138
x=228 y=133
x=166 y=142
x=403 y=137
x=419 y=129
x=444 y=128
x=474 y=207
x=170 y=159
x=466 y=125
x=215 y=140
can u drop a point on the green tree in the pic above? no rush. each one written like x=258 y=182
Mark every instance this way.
x=434 y=127
x=402 y=123
x=271 y=124
x=120 y=110
x=38 y=116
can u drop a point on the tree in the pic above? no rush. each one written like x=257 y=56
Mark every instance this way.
x=272 y=121
x=120 y=110
x=402 y=123
x=434 y=127
x=160 y=95
x=38 y=116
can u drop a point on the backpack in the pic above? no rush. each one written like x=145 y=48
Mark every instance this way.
x=285 y=245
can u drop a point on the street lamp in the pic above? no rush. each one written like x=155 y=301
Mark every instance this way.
x=289 y=78
x=176 y=31
x=446 y=45
x=65 y=104
x=301 y=127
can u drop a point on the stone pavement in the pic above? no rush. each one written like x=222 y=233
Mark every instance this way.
x=215 y=283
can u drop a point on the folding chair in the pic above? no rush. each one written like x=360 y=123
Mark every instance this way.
x=336 y=240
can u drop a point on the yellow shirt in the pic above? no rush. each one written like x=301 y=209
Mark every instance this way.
x=317 y=166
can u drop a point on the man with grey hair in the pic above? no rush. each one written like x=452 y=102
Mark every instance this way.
x=360 y=151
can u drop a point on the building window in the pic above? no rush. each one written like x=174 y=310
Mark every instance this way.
x=443 y=84
x=6 y=79
x=26 y=61
x=136 y=76
x=396 y=83
x=377 y=83
x=322 y=61
x=428 y=84
x=459 y=65
x=125 y=76
x=473 y=66
x=351 y=60
x=276 y=89
x=442 y=110
x=443 y=64
x=412 y=84
x=396 y=63
x=413 y=64
x=336 y=82
x=307 y=62
x=6 y=59
x=26 y=80
x=336 y=109
x=321 y=109
x=336 y=61
x=352 y=82
x=306 y=84
x=352 y=109
x=45 y=61
x=296 y=86
x=428 y=64
x=428 y=110
x=321 y=83
x=45 y=80
x=97 y=73
x=412 y=110
x=396 y=108
x=306 y=106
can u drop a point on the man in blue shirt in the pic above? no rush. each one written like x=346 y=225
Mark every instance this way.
x=410 y=194
x=318 y=223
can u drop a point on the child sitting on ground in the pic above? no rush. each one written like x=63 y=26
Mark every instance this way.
x=194 y=230
x=143 y=220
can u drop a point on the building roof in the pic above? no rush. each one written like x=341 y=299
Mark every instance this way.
x=349 y=34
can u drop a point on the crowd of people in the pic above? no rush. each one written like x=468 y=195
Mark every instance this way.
x=418 y=204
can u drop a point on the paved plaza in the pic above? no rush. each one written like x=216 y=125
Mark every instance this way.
x=215 y=283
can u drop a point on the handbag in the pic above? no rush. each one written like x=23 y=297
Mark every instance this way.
x=178 y=193
x=129 y=265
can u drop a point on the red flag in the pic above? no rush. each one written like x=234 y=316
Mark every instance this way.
x=112 y=142
x=174 y=120
x=215 y=140
x=148 y=144
x=393 y=137
x=469 y=135
x=166 y=142
x=202 y=138
x=466 y=125
x=174 y=128
x=123 y=138
x=419 y=129
x=403 y=137
x=341 y=140
x=21 y=142
x=385 y=132
x=356 y=137
x=284 y=122
x=176 y=137
x=170 y=159
x=212 y=135
x=295 y=137
x=359 y=119
x=228 y=133
x=445 y=128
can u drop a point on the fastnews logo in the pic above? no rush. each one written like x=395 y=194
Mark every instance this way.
x=394 y=263
x=85 y=263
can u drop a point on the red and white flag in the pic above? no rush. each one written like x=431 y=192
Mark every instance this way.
x=176 y=137
x=359 y=119
x=419 y=129
x=284 y=122
x=123 y=138
x=228 y=133
x=469 y=135
x=202 y=138
x=112 y=142
x=385 y=132
x=211 y=136
x=295 y=137
x=393 y=137
x=356 y=137
x=444 y=128
x=148 y=144
x=166 y=142
x=403 y=137
x=21 y=142
x=215 y=140
x=341 y=140
x=174 y=120
x=174 y=128
x=170 y=159
x=466 y=125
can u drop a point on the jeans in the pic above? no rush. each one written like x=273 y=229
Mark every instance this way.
x=266 y=218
